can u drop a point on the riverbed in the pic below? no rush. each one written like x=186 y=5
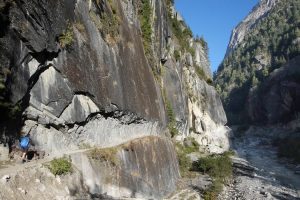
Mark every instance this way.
x=271 y=177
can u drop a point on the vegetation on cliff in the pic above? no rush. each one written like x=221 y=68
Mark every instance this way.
x=145 y=13
x=66 y=38
x=106 y=155
x=272 y=42
x=185 y=163
x=60 y=166
x=219 y=167
x=107 y=22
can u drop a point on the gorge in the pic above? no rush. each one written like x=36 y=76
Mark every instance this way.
x=120 y=97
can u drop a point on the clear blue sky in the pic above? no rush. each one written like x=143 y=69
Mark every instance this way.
x=214 y=19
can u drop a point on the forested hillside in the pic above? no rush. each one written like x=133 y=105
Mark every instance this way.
x=271 y=42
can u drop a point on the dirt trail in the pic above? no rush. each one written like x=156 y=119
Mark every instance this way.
x=14 y=168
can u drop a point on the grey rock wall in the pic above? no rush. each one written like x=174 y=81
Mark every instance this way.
x=201 y=59
x=147 y=170
x=258 y=12
x=99 y=90
x=277 y=100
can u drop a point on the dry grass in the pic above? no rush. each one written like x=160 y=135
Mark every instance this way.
x=106 y=155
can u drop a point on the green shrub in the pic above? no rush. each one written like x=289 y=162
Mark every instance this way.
x=66 y=38
x=194 y=147
x=209 y=81
x=184 y=161
x=171 y=118
x=203 y=43
x=183 y=34
x=177 y=55
x=219 y=167
x=60 y=166
x=9 y=110
x=106 y=154
x=107 y=22
x=200 y=72
x=145 y=13
x=80 y=27
x=213 y=191
x=110 y=25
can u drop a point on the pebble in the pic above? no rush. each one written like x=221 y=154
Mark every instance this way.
x=58 y=179
x=262 y=192
x=22 y=190
x=5 y=178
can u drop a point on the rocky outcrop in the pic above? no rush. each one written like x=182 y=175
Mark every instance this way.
x=60 y=85
x=197 y=106
x=207 y=116
x=82 y=70
x=145 y=168
x=258 y=12
x=201 y=58
x=277 y=99
x=92 y=74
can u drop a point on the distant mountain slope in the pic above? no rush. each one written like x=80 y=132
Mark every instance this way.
x=266 y=40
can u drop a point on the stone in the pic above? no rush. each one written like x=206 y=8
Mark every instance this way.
x=22 y=190
x=51 y=92
x=194 y=156
x=201 y=59
x=79 y=110
x=5 y=178
x=4 y=152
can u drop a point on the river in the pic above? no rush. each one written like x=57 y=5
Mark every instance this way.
x=273 y=178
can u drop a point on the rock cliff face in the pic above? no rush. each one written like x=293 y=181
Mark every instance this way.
x=255 y=80
x=277 y=100
x=77 y=73
x=144 y=168
x=258 y=12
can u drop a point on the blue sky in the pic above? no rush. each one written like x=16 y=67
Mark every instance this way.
x=214 y=19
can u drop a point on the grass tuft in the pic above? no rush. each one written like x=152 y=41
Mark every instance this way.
x=219 y=167
x=60 y=166
x=107 y=155
x=66 y=39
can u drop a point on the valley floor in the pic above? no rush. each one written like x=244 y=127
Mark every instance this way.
x=259 y=173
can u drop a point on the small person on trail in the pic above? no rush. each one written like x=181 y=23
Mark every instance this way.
x=25 y=148
x=24 y=144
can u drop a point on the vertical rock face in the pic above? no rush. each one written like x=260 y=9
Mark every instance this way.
x=278 y=99
x=147 y=169
x=68 y=66
x=266 y=41
x=201 y=58
x=100 y=74
x=258 y=12
x=144 y=168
